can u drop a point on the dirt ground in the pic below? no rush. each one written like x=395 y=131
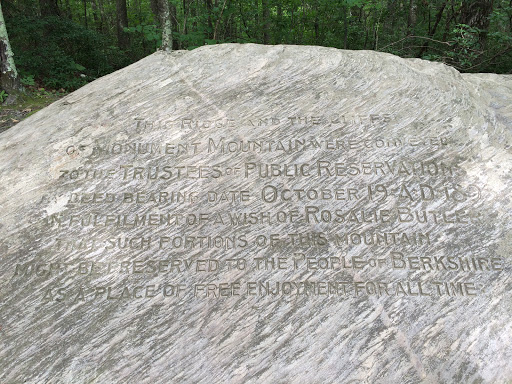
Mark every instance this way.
x=11 y=116
x=30 y=103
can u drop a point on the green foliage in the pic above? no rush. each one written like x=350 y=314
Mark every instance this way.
x=42 y=93
x=81 y=45
x=195 y=37
x=466 y=44
x=3 y=96
x=149 y=33
x=28 y=80
x=59 y=53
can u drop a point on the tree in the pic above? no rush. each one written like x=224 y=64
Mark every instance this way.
x=266 y=22
x=475 y=14
x=92 y=37
x=49 y=8
x=9 y=80
x=164 y=18
x=123 y=40
x=162 y=14
x=432 y=31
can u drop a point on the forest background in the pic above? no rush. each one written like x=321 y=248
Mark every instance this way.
x=60 y=45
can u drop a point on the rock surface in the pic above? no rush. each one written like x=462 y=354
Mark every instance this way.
x=253 y=214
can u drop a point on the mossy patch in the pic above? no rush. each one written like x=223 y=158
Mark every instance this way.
x=25 y=105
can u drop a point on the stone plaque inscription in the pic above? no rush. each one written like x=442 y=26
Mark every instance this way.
x=253 y=214
x=324 y=207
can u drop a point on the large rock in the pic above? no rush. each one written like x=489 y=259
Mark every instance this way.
x=253 y=214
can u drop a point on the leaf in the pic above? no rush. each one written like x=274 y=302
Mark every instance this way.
x=353 y=3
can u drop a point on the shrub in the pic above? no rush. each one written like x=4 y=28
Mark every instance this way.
x=58 y=53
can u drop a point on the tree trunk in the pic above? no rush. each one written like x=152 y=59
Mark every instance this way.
x=104 y=22
x=365 y=19
x=209 y=7
x=185 y=17
x=68 y=12
x=434 y=28
x=345 y=24
x=97 y=22
x=165 y=22
x=256 y=20
x=219 y=18
x=85 y=13
x=392 y=13
x=278 y=36
x=49 y=8
x=510 y=19
x=266 y=22
x=9 y=80
x=123 y=40
x=476 y=14
x=99 y=15
x=302 y=27
x=411 y=20
x=316 y=23
x=449 y=18
x=162 y=13
x=174 y=26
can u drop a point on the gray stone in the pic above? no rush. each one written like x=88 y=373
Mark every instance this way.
x=253 y=214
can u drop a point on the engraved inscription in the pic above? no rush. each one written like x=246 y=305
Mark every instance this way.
x=369 y=210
